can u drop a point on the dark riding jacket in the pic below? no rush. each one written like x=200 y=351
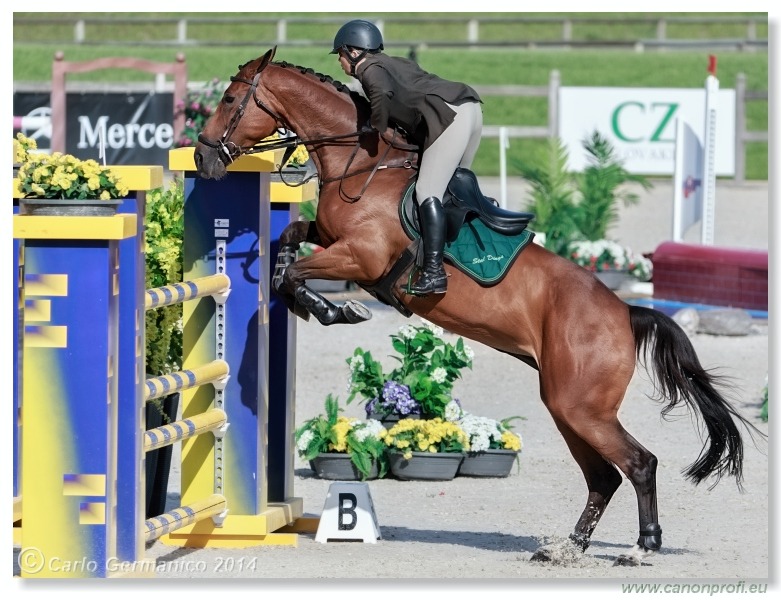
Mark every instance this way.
x=402 y=93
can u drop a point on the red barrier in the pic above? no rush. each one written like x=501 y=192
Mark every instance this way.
x=713 y=275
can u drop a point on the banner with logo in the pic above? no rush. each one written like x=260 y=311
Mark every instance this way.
x=137 y=126
x=640 y=125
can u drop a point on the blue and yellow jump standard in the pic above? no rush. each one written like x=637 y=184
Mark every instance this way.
x=70 y=401
x=229 y=229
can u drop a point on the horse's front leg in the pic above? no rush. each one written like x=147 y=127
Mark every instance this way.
x=336 y=263
x=289 y=242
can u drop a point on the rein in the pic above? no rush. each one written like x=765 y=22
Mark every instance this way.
x=229 y=151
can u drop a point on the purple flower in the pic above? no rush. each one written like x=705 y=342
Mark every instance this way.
x=371 y=406
x=397 y=399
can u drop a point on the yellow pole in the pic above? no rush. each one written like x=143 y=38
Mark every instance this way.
x=186 y=290
x=183 y=516
x=184 y=429
x=186 y=379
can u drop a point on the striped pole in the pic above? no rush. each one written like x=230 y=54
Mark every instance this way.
x=184 y=429
x=183 y=516
x=186 y=290
x=163 y=385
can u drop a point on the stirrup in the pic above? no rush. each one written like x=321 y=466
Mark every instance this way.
x=436 y=284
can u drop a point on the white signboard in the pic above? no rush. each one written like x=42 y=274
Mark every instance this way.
x=640 y=125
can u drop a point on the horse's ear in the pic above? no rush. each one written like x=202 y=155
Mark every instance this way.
x=267 y=58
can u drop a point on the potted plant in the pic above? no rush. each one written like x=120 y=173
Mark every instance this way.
x=580 y=207
x=610 y=261
x=427 y=449
x=340 y=447
x=421 y=384
x=493 y=446
x=52 y=184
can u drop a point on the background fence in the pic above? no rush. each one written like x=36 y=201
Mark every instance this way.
x=741 y=32
x=504 y=133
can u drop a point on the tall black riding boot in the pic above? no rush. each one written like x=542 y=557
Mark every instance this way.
x=433 y=279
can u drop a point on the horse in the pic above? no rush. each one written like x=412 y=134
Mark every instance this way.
x=549 y=313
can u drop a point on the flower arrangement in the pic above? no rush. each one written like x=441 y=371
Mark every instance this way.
x=432 y=435
x=363 y=441
x=490 y=434
x=60 y=175
x=198 y=107
x=606 y=255
x=421 y=384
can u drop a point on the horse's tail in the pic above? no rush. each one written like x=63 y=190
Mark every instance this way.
x=679 y=376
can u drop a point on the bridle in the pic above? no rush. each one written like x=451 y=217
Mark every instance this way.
x=229 y=151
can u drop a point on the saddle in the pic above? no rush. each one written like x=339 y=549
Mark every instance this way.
x=463 y=198
x=483 y=240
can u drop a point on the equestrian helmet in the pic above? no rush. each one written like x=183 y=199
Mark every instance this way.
x=358 y=34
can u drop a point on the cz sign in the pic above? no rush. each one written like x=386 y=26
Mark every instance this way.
x=640 y=125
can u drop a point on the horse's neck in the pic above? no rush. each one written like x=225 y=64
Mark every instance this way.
x=316 y=110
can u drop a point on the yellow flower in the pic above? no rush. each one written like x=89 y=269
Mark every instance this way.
x=511 y=441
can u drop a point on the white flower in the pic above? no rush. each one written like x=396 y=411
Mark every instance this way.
x=481 y=430
x=470 y=354
x=453 y=411
x=407 y=332
x=439 y=375
x=370 y=428
x=356 y=364
x=305 y=440
x=435 y=329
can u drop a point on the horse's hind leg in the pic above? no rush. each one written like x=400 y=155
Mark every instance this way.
x=602 y=480
x=601 y=430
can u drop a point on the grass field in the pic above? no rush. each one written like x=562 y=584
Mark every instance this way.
x=484 y=66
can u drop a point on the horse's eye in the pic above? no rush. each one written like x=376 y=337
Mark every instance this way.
x=228 y=99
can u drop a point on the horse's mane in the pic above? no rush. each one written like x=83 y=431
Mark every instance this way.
x=341 y=87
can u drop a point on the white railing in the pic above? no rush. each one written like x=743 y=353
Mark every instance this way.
x=399 y=30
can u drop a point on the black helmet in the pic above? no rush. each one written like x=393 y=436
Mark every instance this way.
x=358 y=34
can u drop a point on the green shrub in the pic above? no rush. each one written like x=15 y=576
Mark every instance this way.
x=164 y=233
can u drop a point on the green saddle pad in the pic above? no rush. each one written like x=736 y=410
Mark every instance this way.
x=478 y=251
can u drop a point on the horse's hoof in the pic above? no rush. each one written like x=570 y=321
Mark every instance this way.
x=355 y=312
x=650 y=537
x=299 y=311
x=542 y=555
x=633 y=558
x=559 y=552
x=626 y=561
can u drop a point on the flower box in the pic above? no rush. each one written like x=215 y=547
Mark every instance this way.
x=339 y=467
x=425 y=466
x=488 y=463
x=68 y=207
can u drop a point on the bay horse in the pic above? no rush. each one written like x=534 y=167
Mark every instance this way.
x=551 y=314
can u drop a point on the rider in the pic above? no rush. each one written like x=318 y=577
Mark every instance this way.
x=443 y=117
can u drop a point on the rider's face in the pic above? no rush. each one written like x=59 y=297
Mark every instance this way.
x=343 y=62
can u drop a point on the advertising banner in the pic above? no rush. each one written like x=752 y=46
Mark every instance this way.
x=640 y=125
x=137 y=126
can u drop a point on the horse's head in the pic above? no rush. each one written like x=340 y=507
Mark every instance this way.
x=240 y=120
